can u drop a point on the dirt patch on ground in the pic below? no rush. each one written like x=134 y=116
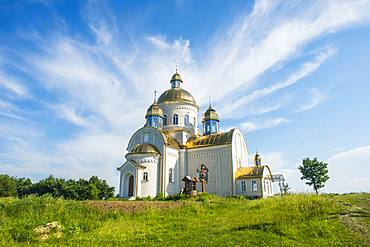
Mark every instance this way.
x=132 y=206
x=354 y=217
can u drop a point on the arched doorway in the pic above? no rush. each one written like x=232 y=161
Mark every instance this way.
x=131 y=186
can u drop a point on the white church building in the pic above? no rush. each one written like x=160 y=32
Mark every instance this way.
x=170 y=147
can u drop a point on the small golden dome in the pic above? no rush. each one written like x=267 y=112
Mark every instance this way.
x=176 y=95
x=210 y=114
x=154 y=110
x=176 y=77
x=144 y=148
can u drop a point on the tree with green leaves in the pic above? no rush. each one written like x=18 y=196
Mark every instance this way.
x=82 y=189
x=8 y=186
x=315 y=172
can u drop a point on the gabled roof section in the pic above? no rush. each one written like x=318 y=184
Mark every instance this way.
x=222 y=138
x=250 y=172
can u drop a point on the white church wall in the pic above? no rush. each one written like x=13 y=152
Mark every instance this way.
x=240 y=151
x=267 y=183
x=250 y=192
x=218 y=160
x=149 y=187
x=182 y=168
x=239 y=156
x=172 y=162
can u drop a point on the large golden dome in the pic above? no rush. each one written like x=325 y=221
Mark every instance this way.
x=176 y=95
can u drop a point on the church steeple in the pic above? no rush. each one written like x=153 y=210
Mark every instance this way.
x=176 y=80
x=154 y=114
x=257 y=159
x=211 y=122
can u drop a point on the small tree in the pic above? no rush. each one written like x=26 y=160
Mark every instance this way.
x=315 y=172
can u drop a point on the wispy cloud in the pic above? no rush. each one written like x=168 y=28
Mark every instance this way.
x=235 y=110
x=317 y=98
x=348 y=170
x=270 y=123
x=12 y=85
x=272 y=33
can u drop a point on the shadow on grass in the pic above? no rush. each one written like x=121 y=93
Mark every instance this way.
x=264 y=226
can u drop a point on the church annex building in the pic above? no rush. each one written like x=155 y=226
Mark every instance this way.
x=170 y=147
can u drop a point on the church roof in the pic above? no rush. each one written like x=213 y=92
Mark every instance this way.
x=170 y=141
x=251 y=171
x=222 y=138
x=176 y=95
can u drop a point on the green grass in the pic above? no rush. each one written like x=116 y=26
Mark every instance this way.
x=295 y=220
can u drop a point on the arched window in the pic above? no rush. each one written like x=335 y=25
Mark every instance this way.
x=254 y=185
x=194 y=123
x=186 y=120
x=243 y=186
x=171 y=177
x=146 y=137
x=145 y=176
x=164 y=119
x=175 y=120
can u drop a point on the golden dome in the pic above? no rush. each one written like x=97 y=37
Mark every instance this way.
x=176 y=77
x=144 y=148
x=176 y=95
x=154 y=110
x=210 y=114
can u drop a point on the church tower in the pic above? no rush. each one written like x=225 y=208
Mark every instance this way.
x=180 y=111
x=154 y=115
x=211 y=121
x=257 y=160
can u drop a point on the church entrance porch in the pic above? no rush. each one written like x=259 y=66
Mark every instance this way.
x=128 y=185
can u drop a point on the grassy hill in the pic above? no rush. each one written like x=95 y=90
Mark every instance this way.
x=295 y=220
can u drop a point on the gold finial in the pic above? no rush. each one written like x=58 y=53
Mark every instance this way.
x=209 y=102
x=155 y=96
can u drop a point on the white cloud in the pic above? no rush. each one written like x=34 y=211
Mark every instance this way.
x=6 y=105
x=71 y=114
x=272 y=33
x=349 y=171
x=293 y=178
x=270 y=123
x=12 y=84
x=317 y=98
x=276 y=160
x=237 y=107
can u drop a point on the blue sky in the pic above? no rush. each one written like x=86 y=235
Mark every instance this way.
x=76 y=78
